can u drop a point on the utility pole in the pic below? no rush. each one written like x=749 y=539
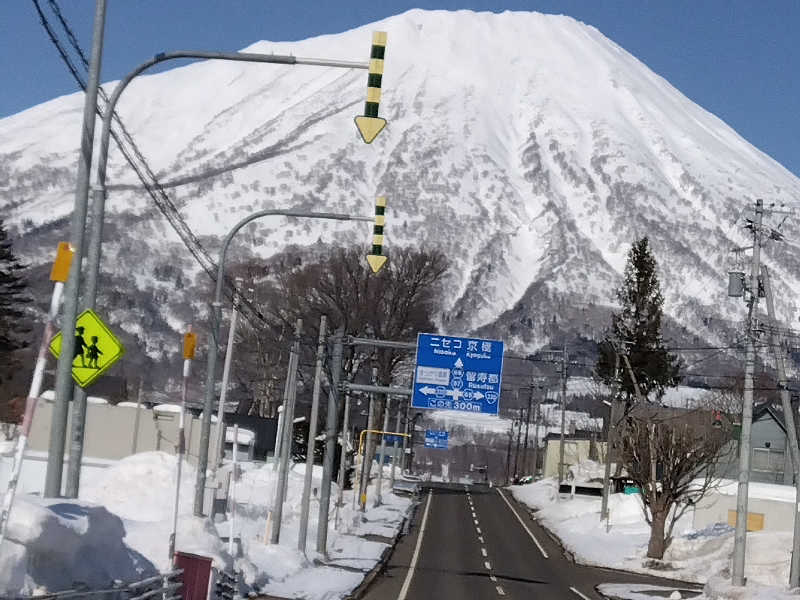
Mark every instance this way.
x=536 y=419
x=394 y=446
x=740 y=536
x=64 y=383
x=312 y=437
x=343 y=459
x=563 y=416
x=330 y=442
x=610 y=438
x=788 y=415
x=288 y=433
x=520 y=418
x=367 y=468
x=223 y=393
x=382 y=456
x=508 y=452
x=527 y=427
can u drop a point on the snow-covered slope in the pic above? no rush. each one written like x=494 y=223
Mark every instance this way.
x=529 y=147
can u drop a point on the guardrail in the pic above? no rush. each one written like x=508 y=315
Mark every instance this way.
x=161 y=587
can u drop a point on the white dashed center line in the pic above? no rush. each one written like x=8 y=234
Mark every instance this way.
x=478 y=529
x=500 y=591
x=480 y=539
x=483 y=551
x=493 y=578
x=488 y=566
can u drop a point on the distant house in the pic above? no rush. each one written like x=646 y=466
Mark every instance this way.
x=579 y=446
x=770 y=460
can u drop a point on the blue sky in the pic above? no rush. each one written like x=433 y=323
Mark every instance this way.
x=737 y=59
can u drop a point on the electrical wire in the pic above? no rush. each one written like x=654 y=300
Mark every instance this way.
x=136 y=160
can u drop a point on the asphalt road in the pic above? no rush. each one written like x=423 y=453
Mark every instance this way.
x=478 y=543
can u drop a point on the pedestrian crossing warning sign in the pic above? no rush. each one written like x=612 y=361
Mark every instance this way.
x=96 y=348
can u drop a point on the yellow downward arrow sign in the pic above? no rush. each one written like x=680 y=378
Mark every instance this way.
x=376 y=262
x=369 y=127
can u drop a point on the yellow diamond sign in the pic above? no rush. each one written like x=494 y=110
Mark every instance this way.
x=96 y=348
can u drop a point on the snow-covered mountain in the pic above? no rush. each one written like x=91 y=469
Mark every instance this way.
x=529 y=147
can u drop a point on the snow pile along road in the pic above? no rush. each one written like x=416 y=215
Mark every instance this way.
x=120 y=527
x=700 y=556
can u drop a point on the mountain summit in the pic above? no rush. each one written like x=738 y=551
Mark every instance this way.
x=530 y=148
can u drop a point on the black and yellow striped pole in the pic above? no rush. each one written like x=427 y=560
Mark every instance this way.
x=376 y=259
x=370 y=124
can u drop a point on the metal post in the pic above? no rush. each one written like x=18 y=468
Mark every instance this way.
x=740 y=536
x=536 y=417
x=232 y=494
x=181 y=450
x=394 y=447
x=216 y=317
x=312 y=436
x=135 y=444
x=508 y=452
x=563 y=415
x=223 y=393
x=343 y=459
x=527 y=428
x=330 y=442
x=610 y=440
x=519 y=438
x=286 y=445
x=382 y=456
x=367 y=468
x=30 y=408
x=404 y=466
x=64 y=383
x=276 y=453
x=788 y=415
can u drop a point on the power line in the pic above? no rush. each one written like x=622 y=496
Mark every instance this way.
x=136 y=160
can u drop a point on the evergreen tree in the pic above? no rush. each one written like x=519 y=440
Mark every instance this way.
x=636 y=331
x=14 y=322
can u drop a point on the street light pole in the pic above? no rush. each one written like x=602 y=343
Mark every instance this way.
x=216 y=317
x=71 y=293
x=64 y=384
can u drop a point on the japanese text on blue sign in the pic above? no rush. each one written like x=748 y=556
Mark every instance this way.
x=461 y=374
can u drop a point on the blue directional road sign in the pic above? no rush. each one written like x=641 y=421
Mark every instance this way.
x=455 y=373
x=436 y=439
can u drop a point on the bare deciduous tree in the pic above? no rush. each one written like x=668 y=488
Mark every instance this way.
x=671 y=456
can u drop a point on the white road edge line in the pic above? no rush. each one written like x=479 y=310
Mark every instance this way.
x=572 y=589
x=524 y=526
x=413 y=565
x=500 y=591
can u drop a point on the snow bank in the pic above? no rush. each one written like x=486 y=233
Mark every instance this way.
x=54 y=544
x=697 y=556
x=120 y=528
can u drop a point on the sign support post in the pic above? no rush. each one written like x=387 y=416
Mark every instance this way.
x=58 y=275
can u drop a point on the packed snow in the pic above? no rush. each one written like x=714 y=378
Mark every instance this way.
x=697 y=556
x=124 y=516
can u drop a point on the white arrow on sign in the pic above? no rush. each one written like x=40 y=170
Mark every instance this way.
x=458 y=363
x=427 y=391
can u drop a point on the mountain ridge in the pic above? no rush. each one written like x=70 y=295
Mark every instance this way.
x=528 y=147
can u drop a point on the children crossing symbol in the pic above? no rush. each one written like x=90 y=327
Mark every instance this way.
x=93 y=358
